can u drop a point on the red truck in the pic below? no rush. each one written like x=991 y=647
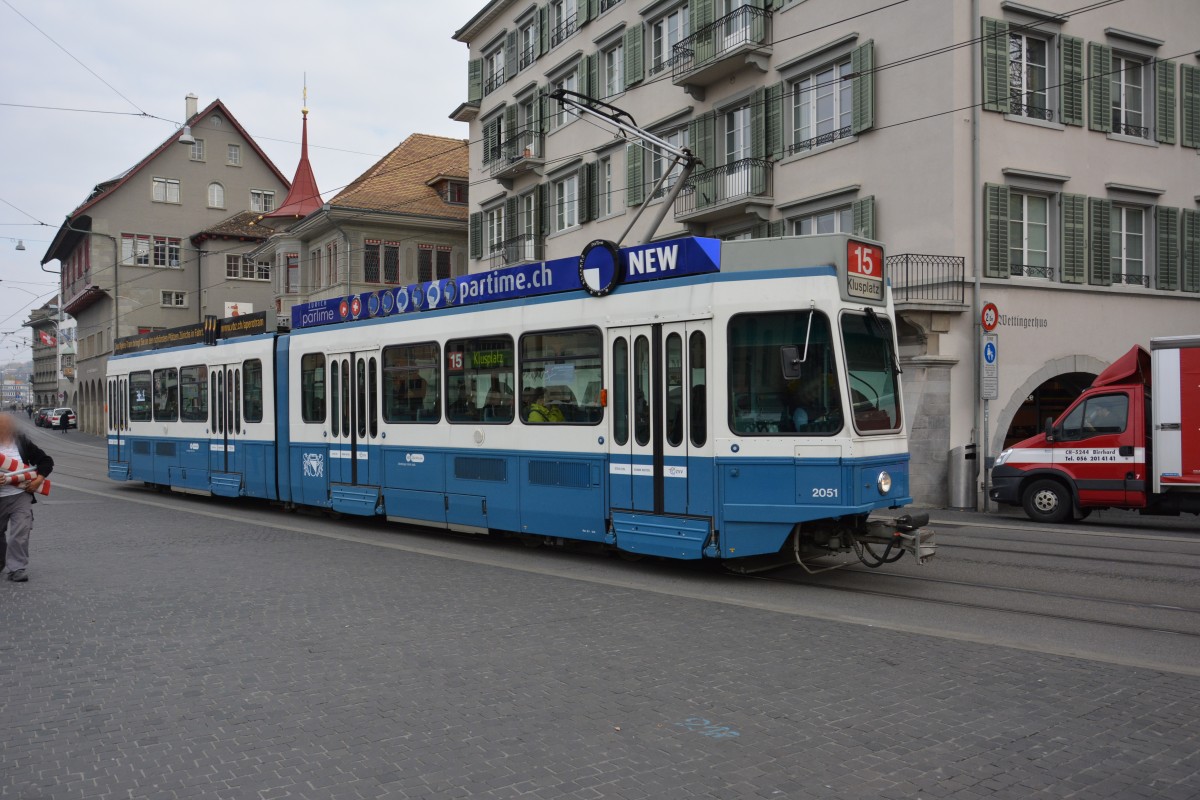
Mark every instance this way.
x=1131 y=440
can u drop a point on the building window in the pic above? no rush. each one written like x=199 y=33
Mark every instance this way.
x=135 y=249
x=493 y=70
x=233 y=266
x=424 y=263
x=1029 y=234
x=566 y=203
x=1129 y=97
x=833 y=220
x=174 y=299
x=198 y=150
x=233 y=155
x=822 y=108
x=570 y=83
x=262 y=201
x=166 y=251
x=391 y=263
x=456 y=193
x=614 y=80
x=665 y=33
x=1028 y=76
x=443 y=263
x=606 y=186
x=660 y=160
x=216 y=195
x=166 y=190
x=493 y=230
x=314 y=257
x=562 y=20
x=529 y=43
x=262 y=271
x=331 y=264
x=293 y=272
x=1128 y=235
x=371 y=257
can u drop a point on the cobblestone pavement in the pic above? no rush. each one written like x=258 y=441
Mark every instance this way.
x=156 y=653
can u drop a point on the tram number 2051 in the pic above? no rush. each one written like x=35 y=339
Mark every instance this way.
x=824 y=493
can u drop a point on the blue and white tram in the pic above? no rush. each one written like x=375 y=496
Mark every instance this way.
x=688 y=399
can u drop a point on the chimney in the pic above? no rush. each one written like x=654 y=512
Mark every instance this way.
x=190 y=100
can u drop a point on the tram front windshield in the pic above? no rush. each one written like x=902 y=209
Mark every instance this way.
x=872 y=368
x=766 y=399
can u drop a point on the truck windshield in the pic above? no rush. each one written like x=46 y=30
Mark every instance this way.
x=871 y=365
x=762 y=401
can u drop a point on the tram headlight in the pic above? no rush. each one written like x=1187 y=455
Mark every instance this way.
x=884 y=482
x=1004 y=456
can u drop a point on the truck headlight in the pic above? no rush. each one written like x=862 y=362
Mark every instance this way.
x=884 y=482
x=1004 y=456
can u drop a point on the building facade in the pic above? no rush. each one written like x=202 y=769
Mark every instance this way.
x=1044 y=159
x=127 y=259
x=44 y=334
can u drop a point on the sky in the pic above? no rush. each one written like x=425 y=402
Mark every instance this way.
x=377 y=71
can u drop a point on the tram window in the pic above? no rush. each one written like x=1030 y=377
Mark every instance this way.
x=193 y=393
x=335 y=419
x=312 y=387
x=620 y=391
x=698 y=388
x=216 y=399
x=166 y=395
x=252 y=390
x=674 y=390
x=761 y=401
x=479 y=380
x=360 y=383
x=373 y=388
x=346 y=407
x=410 y=383
x=641 y=391
x=236 y=400
x=871 y=364
x=219 y=402
x=561 y=376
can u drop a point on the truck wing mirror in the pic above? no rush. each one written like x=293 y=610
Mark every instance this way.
x=1049 y=429
x=790 y=361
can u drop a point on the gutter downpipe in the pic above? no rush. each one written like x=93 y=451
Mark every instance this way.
x=977 y=249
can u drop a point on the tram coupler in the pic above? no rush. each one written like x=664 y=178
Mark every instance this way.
x=907 y=534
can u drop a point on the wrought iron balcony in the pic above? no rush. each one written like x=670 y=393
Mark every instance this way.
x=823 y=139
x=1131 y=280
x=725 y=190
x=709 y=54
x=1130 y=130
x=528 y=56
x=562 y=30
x=518 y=250
x=919 y=278
x=1031 y=271
x=1019 y=109
x=517 y=155
x=605 y=5
x=494 y=82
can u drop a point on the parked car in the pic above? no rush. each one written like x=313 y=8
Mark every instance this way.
x=39 y=418
x=54 y=418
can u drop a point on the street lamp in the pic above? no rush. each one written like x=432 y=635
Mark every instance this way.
x=20 y=244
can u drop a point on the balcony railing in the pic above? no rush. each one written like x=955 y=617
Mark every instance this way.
x=1131 y=280
x=1131 y=130
x=742 y=26
x=517 y=154
x=823 y=139
x=605 y=5
x=1031 y=271
x=1033 y=112
x=518 y=250
x=916 y=277
x=725 y=184
x=528 y=56
x=562 y=30
x=493 y=83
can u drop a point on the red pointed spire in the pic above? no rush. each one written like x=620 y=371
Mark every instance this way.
x=304 y=197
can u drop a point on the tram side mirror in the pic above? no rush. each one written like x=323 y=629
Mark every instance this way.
x=789 y=362
x=1049 y=429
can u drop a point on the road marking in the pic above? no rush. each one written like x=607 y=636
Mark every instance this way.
x=657 y=588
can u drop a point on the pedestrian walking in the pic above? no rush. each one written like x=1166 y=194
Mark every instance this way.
x=16 y=502
x=64 y=421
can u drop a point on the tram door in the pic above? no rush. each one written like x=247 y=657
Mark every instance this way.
x=659 y=416
x=118 y=396
x=354 y=418
x=225 y=418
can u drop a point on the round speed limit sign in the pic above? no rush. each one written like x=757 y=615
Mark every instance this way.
x=990 y=317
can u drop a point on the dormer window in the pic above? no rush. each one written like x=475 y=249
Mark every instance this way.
x=456 y=192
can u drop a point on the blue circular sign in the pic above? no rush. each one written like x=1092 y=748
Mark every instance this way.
x=600 y=267
x=450 y=292
x=388 y=302
x=989 y=353
x=373 y=305
x=433 y=294
x=401 y=300
x=418 y=297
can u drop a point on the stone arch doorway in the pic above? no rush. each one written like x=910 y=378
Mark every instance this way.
x=1049 y=399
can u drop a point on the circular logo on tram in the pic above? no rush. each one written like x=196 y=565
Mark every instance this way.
x=433 y=294
x=450 y=291
x=343 y=309
x=355 y=306
x=372 y=304
x=388 y=302
x=418 y=297
x=402 y=300
x=600 y=267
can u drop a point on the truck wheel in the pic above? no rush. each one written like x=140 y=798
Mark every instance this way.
x=1047 y=501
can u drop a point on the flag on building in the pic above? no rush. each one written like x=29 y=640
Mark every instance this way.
x=46 y=338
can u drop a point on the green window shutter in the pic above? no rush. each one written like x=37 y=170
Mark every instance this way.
x=474 y=80
x=862 y=86
x=1099 y=87
x=491 y=140
x=702 y=137
x=1166 y=267
x=1164 y=102
x=541 y=219
x=863 y=212
x=758 y=124
x=583 y=198
x=700 y=14
x=1190 y=245
x=593 y=68
x=510 y=123
x=543 y=14
x=759 y=231
x=586 y=9
x=1074 y=238
x=634 y=190
x=995 y=238
x=475 y=230
x=510 y=55
x=1189 y=79
x=541 y=112
x=1099 y=243
x=994 y=49
x=1071 y=66
x=511 y=209
x=593 y=196
x=633 y=55
x=774 y=101
x=775 y=228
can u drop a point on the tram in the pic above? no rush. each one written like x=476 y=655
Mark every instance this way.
x=686 y=399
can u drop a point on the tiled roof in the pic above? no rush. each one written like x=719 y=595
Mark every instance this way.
x=243 y=225
x=397 y=182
